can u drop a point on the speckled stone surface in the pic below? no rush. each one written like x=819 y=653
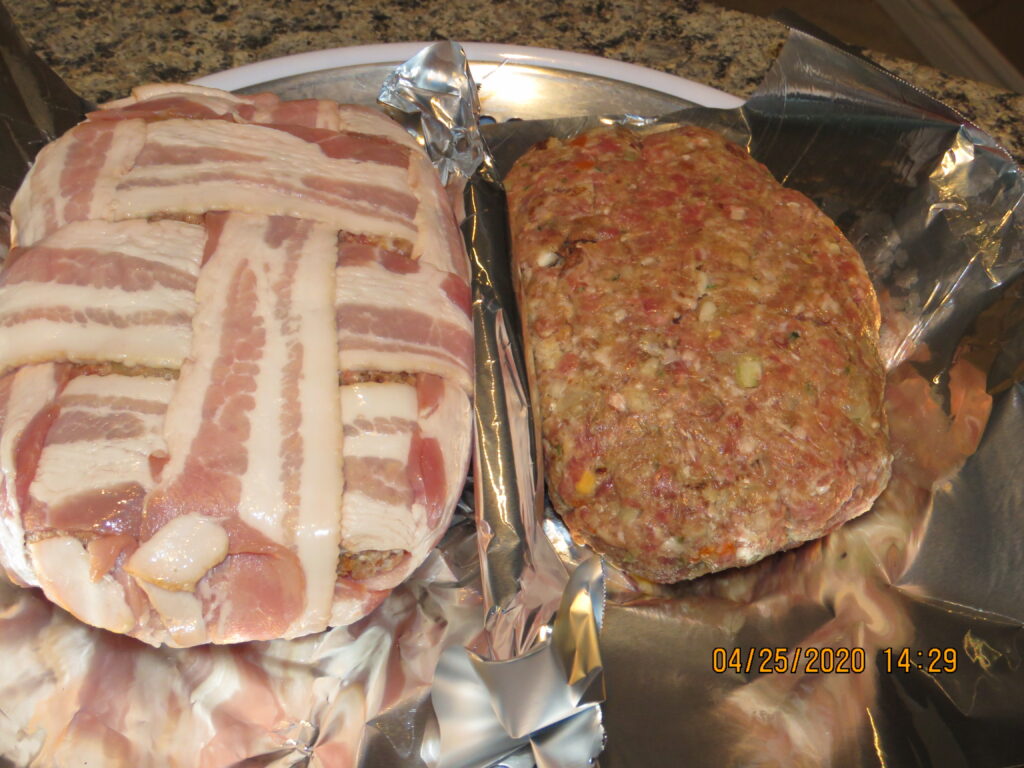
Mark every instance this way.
x=102 y=47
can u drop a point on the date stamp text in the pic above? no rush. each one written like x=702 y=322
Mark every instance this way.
x=831 y=661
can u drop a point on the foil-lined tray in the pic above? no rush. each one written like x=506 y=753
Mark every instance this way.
x=896 y=640
x=935 y=209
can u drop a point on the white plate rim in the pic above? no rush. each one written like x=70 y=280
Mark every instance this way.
x=395 y=53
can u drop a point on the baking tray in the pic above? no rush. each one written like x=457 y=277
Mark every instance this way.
x=515 y=82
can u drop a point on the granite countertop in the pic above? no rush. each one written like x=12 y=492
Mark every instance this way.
x=103 y=47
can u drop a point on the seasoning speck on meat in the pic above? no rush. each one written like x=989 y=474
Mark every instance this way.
x=705 y=349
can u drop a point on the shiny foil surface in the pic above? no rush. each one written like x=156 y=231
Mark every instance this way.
x=896 y=640
x=512 y=646
x=528 y=692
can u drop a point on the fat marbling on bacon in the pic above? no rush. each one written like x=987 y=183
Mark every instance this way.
x=236 y=352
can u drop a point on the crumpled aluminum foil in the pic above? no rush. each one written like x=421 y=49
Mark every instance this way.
x=541 y=674
x=437 y=87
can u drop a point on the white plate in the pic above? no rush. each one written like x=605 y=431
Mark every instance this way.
x=485 y=58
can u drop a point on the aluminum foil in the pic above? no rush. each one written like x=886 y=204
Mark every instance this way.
x=897 y=640
x=530 y=693
x=437 y=87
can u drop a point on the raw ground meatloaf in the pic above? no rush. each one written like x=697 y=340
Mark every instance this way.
x=705 y=348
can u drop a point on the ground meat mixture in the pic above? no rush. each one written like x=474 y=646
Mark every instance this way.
x=705 y=349
x=369 y=562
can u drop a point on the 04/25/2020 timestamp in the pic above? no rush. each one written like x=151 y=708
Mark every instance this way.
x=828 y=660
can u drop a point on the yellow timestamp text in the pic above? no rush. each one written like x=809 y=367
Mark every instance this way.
x=782 y=660
x=932 y=661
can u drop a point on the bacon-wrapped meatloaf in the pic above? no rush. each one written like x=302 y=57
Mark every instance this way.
x=705 y=349
x=236 y=349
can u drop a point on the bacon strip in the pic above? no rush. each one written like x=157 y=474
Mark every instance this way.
x=289 y=176
x=98 y=291
x=440 y=243
x=74 y=179
x=94 y=469
x=152 y=97
x=396 y=314
x=83 y=503
x=155 y=100
x=160 y=100
x=66 y=578
x=359 y=119
x=96 y=268
x=267 y=358
x=347 y=145
x=378 y=421
x=401 y=452
x=129 y=168
x=164 y=102
x=341 y=130
x=26 y=396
